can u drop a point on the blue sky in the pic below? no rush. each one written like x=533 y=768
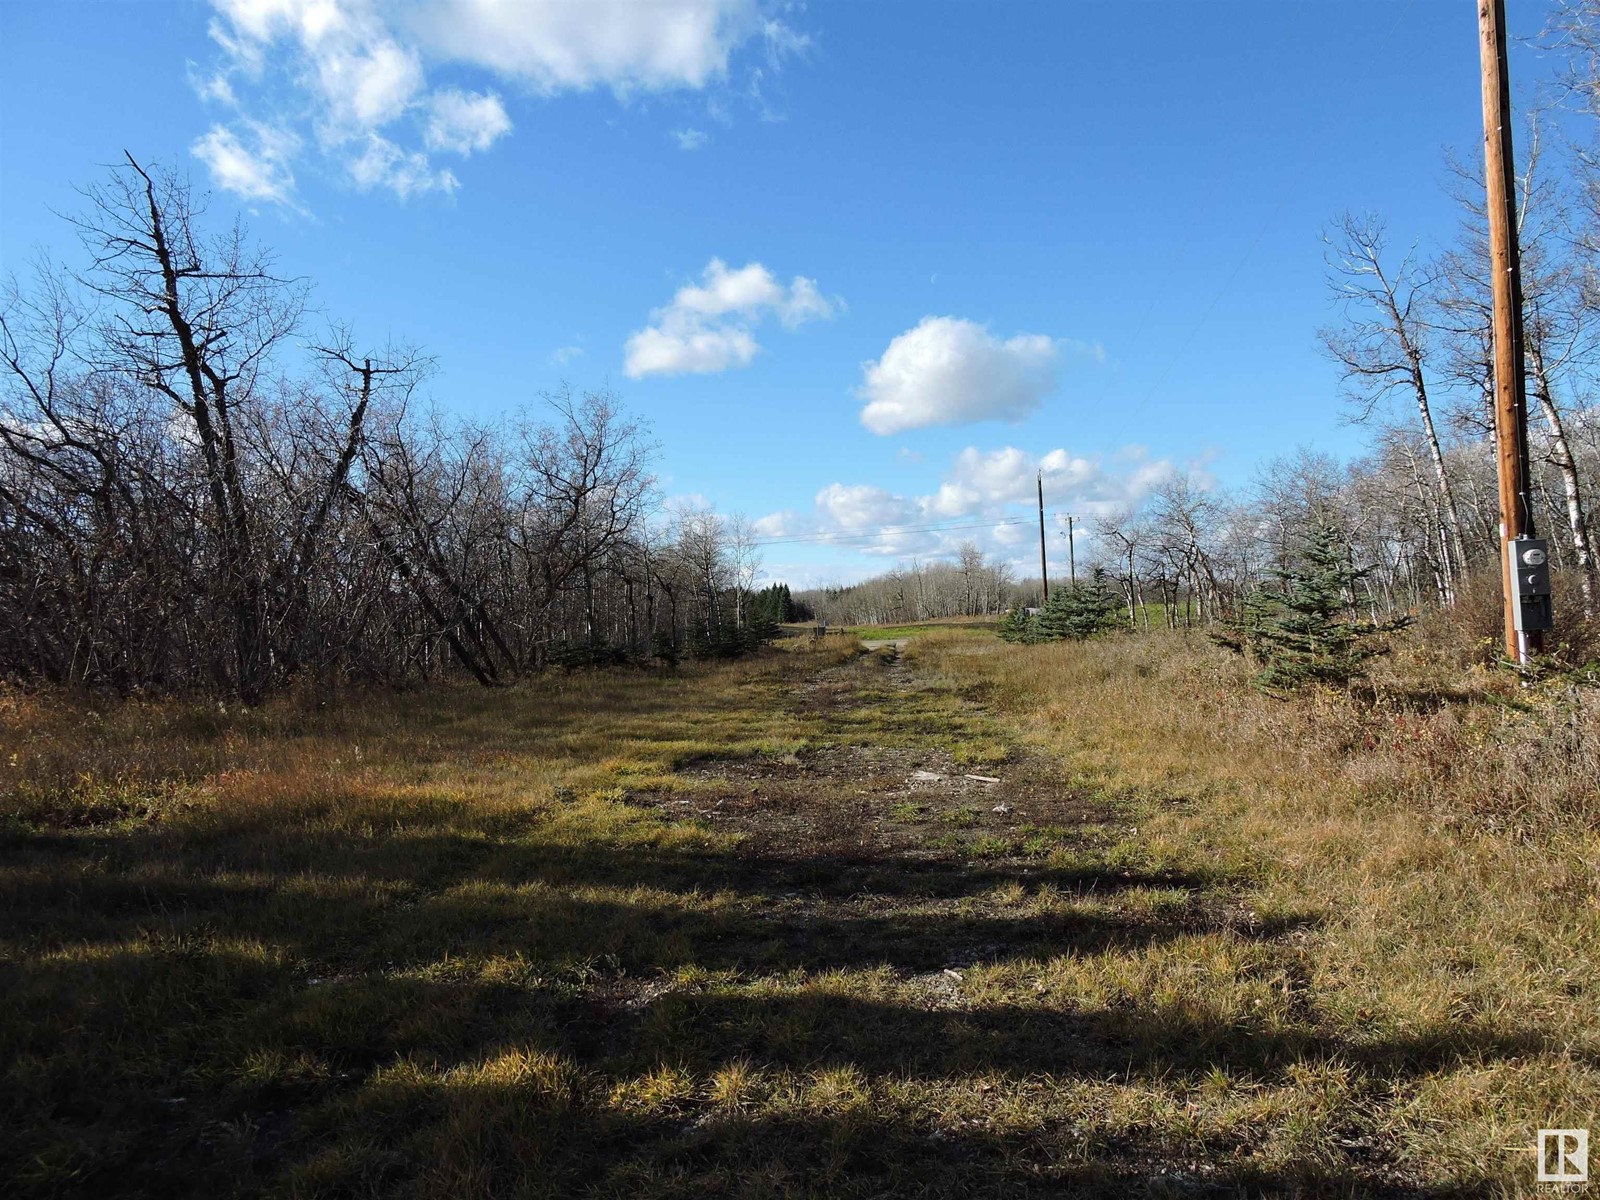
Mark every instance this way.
x=859 y=264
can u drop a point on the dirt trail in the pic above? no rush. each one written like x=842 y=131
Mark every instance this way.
x=886 y=824
x=879 y=643
x=893 y=774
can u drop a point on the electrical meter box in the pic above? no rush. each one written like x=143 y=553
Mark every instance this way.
x=1528 y=563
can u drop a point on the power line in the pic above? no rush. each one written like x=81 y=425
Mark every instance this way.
x=1194 y=330
x=1139 y=408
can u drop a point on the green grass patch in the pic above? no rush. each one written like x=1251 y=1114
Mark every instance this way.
x=874 y=633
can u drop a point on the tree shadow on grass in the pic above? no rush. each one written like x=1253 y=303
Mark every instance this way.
x=358 y=904
x=197 y=1079
x=897 y=1037
x=195 y=1015
x=855 y=1152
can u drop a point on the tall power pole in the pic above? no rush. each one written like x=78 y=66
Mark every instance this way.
x=1044 y=573
x=1510 y=394
x=1072 y=553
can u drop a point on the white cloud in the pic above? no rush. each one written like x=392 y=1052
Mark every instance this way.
x=749 y=291
x=783 y=42
x=805 y=303
x=349 y=78
x=980 y=480
x=873 y=520
x=683 y=502
x=562 y=355
x=949 y=371
x=367 y=87
x=463 y=122
x=803 y=575
x=376 y=161
x=1012 y=535
x=688 y=351
x=749 y=288
x=863 y=506
x=557 y=45
x=1085 y=349
x=777 y=524
x=260 y=172
x=349 y=71
x=708 y=326
x=985 y=496
x=690 y=139
x=213 y=88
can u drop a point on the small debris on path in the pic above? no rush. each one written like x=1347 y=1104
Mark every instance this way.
x=982 y=778
x=926 y=777
x=938 y=989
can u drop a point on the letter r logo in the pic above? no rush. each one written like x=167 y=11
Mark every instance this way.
x=1563 y=1156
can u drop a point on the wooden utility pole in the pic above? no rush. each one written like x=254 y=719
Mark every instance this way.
x=1072 y=553
x=1510 y=393
x=1044 y=574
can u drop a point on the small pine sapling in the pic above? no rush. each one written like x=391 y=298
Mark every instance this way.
x=1303 y=630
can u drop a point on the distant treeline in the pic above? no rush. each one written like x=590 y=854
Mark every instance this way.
x=1192 y=556
x=970 y=586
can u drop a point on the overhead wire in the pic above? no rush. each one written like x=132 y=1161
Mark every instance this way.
x=1142 y=405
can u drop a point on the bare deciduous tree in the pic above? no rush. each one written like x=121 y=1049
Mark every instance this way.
x=1382 y=346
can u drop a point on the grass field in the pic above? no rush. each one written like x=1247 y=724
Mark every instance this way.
x=756 y=930
x=967 y=625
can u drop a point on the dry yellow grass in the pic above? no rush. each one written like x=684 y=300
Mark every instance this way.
x=690 y=934
x=1446 y=824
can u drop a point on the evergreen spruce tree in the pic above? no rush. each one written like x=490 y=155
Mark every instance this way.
x=724 y=636
x=1302 y=631
x=1051 y=621
x=1014 y=624
x=759 y=629
x=1079 y=611
x=773 y=605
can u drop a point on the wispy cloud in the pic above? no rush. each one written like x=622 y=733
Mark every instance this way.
x=353 y=79
x=254 y=167
x=463 y=122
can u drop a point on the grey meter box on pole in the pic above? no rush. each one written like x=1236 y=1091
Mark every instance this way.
x=1530 y=574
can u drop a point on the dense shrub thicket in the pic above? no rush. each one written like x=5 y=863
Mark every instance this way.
x=201 y=490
